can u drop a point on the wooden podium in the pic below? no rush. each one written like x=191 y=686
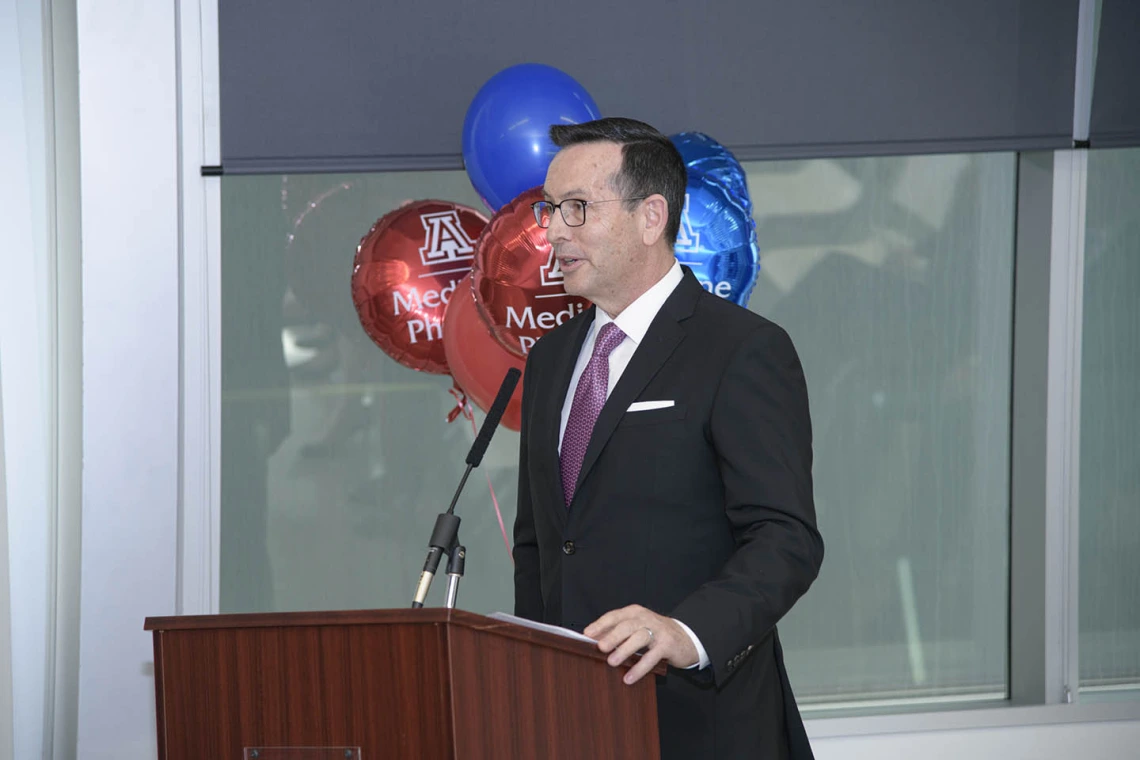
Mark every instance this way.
x=389 y=685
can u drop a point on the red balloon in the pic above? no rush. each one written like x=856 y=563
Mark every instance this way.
x=406 y=269
x=518 y=284
x=477 y=361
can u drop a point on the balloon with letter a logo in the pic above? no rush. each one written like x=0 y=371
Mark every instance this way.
x=518 y=285
x=717 y=239
x=406 y=269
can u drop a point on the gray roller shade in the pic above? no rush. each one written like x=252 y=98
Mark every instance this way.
x=1115 y=118
x=310 y=85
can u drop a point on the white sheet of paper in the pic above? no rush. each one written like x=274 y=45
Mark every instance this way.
x=557 y=630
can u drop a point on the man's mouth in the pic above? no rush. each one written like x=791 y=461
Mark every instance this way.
x=568 y=263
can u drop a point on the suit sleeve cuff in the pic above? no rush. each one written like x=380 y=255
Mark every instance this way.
x=704 y=656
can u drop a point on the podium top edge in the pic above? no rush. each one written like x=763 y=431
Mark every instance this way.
x=327 y=618
x=426 y=616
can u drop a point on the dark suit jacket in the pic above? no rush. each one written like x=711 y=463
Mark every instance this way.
x=701 y=511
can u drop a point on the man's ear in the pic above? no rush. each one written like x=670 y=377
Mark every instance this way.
x=655 y=216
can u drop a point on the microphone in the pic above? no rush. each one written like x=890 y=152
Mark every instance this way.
x=445 y=535
x=479 y=448
x=454 y=573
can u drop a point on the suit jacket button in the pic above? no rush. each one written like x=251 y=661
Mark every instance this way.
x=568 y=547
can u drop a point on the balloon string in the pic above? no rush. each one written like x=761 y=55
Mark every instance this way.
x=463 y=406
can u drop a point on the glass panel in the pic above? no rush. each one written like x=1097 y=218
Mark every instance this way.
x=335 y=458
x=894 y=278
x=1110 y=425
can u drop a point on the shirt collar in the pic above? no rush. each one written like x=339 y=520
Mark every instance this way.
x=635 y=319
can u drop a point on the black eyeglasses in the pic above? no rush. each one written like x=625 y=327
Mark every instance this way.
x=573 y=210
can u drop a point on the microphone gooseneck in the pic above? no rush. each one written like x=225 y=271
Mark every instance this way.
x=445 y=534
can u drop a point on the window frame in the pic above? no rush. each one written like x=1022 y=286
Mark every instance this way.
x=1045 y=388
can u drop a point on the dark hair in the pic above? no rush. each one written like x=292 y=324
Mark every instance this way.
x=650 y=162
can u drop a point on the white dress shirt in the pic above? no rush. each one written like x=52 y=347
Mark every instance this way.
x=634 y=321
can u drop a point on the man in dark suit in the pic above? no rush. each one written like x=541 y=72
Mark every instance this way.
x=665 y=494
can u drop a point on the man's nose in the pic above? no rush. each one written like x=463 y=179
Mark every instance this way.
x=558 y=230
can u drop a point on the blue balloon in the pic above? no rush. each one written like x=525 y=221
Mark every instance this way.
x=717 y=239
x=705 y=155
x=506 y=141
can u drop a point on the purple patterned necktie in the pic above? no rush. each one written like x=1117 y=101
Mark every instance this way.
x=589 y=397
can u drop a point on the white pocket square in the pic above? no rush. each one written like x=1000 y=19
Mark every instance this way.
x=643 y=406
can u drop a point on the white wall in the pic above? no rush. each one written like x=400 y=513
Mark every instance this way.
x=26 y=342
x=129 y=197
x=1073 y=741
x=7 y=730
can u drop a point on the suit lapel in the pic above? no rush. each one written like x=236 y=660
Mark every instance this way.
x=566 y=356
x=662 y=338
